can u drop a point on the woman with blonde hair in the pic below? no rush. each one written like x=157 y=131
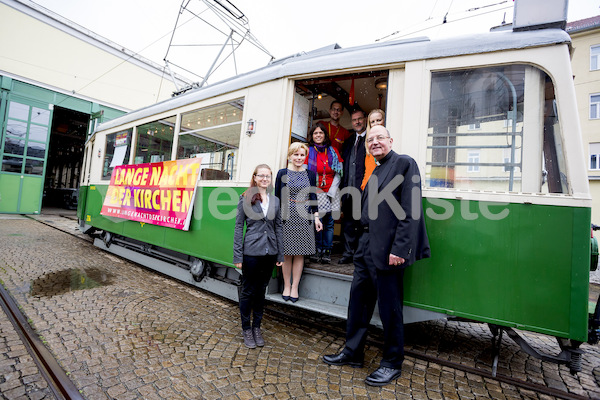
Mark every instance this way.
x=257 y=251
x=376 y=117
x=292 y=188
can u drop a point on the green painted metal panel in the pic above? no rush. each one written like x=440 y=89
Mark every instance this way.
x=5 y=82
x=51 y=97
x=211 y=230
x=31 y=195
x=209 y=237
x=81 y=200
x=527 y=270
x=145 y=232
x=111 y=113
x=95 y=198
x=9 y=192
x=33 y=92
x=72 y=103
x=580 y=273
x=36 y=118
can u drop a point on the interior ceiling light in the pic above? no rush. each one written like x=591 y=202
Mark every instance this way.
x=381 y=83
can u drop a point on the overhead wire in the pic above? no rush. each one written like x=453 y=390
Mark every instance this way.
x=400 y=34
x=126 y=60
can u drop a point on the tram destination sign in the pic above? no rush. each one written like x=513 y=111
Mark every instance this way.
x=160 y=193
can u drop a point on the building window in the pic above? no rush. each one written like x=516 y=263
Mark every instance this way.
x=595 y=156
x=473 y=160
x=475 y=126
x=594 y=54
x=595 y=106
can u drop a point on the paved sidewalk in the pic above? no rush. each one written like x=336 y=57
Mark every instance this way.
x=122 y=332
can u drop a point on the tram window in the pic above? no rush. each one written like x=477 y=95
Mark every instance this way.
x=155 y=141
x=213 y=134
x=493 y=100
x=554 y=178
x=486 y=99
x=116 y=152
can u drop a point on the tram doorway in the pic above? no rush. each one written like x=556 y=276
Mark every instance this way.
x=65 y=157
x=313 y=100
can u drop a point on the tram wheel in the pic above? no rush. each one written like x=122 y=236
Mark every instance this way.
x=198 y=269
x=107 y=238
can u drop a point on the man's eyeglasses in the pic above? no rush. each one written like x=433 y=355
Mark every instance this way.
x=263 y=176
x=380 y=138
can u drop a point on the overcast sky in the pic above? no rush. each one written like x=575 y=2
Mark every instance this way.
x=284 y=27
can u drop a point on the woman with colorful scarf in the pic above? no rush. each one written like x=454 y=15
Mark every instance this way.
x=326 y=162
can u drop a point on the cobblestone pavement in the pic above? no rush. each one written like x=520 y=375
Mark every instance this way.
x=20 y=378
x=122 y=332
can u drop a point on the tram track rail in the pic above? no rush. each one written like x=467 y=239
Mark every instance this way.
x=373 y=339
x=58 y=381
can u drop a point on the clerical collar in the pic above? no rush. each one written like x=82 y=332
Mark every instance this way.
x=384 y=159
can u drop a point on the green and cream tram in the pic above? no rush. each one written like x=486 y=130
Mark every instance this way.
x=491 y=120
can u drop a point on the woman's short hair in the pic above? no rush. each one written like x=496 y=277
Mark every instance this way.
x=294 y=147
x=326 y=141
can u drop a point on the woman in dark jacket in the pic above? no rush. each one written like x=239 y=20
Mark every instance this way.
x=258 y=251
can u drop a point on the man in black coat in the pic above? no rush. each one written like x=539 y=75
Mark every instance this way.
x=393 y=238
x=353 y=154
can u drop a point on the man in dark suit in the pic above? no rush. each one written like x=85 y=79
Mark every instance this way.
x=353 y=154
x=394 y=237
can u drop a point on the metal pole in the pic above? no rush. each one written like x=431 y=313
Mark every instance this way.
x=216 y=59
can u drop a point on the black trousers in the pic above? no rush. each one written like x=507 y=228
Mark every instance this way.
x=350 y=229
x=371 y=285
x=256 y=273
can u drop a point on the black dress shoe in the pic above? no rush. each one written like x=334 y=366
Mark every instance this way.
x=342 y=359
x=346 y=260
x=285 y=298
x=382 y=376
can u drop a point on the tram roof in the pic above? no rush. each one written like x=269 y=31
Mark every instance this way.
x=337 y=58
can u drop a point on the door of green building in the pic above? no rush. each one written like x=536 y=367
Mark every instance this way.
x=23 y=152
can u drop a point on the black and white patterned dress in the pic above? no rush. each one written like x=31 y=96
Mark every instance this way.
x=298 y=231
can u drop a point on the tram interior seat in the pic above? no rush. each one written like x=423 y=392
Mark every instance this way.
x=209 y=174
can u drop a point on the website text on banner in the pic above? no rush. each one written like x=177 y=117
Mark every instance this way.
x=159 y=193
